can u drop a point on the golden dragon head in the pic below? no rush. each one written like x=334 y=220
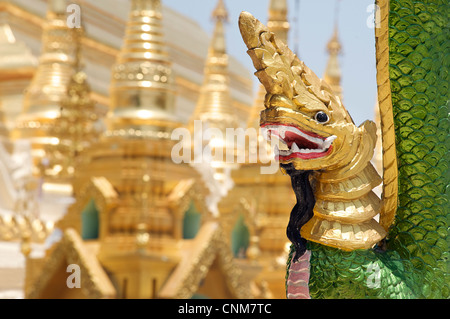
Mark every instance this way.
x=314 y=129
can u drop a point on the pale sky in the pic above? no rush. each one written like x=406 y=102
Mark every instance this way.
x=311 y=32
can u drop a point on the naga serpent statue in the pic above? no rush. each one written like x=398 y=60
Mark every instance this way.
x=339 y=248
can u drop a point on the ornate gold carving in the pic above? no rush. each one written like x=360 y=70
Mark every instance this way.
x=278 y=69
x=95 y=283
x=78 y=125
x=30 y=229
x=344 y=178
x=105 y=197
x=390 y=169
x=184 y=193
x=207 y=246
x=341 y=235
x=279 y=25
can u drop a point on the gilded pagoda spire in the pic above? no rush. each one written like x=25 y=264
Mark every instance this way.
x=134 y=153
x=278 y=24
x=49 y=85
x=142 y=92
x=215 y=105
x=278 y=19
x=332 y=73
x=215 y=111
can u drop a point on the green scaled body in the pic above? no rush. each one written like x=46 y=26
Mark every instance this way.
x=419 y=64
x=360 y=274
x=416 y=263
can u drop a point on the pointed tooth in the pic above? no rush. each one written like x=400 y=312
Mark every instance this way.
x=295 y=148
x=327 y=143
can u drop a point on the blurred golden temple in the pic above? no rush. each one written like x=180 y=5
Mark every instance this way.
x=86 y=166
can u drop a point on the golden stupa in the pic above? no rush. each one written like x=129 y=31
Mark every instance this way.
x=49 y=84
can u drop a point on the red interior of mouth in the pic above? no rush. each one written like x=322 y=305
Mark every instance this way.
x=301 y=142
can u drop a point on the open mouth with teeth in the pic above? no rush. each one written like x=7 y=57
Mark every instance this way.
x=296 y=143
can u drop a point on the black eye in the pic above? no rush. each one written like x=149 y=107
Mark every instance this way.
x=321 y=117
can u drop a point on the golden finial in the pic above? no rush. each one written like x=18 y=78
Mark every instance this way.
x=334 y=46
x=220 y=12
x=215 y=105
x=142 y=93
x=332 y=73
x=218 y=43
